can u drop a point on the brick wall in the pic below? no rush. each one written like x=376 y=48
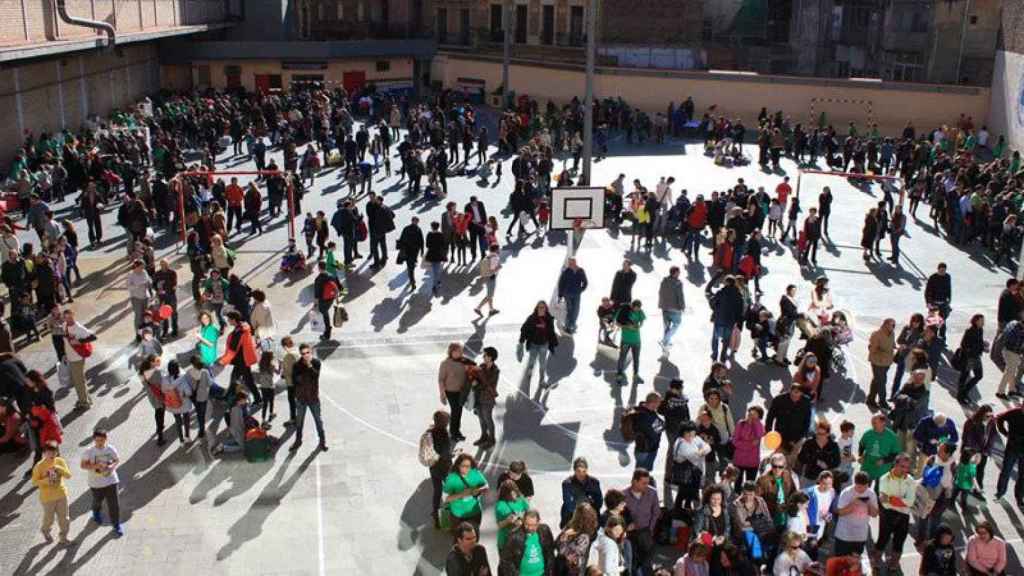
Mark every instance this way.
x=40 y=21
x=1013 y=26
x=58 y=93
x=651 y=22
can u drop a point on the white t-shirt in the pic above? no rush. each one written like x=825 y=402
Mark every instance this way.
x=105 y=455
x=982 y=137
x=78 y=332
x=854 y=526
x=824 y=503
x=784 y=563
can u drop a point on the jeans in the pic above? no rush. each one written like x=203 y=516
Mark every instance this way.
x=300 y=413
x=624 y=350
x=435 y=276
x=1012 y=458
x=108 y=494
x=878 y=378
x=138 y=312
x=721 y=334
x=897 y=381
x=672 y=319
x=538 y=354
x=973 y=368
x=378 y=248
x=643 y=551
x=485 y=412
x=645 y=460
x=572 y=311
x=455 y=405
x=324 y=306
x=691 y=244
x=200 y=418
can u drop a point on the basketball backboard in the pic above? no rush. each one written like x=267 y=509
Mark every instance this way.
x=569 y=204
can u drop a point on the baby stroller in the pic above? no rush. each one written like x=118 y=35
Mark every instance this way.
x=294 y=260
x=831 y=337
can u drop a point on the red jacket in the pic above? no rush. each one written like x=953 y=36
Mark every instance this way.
x=246 y=345
x=47 y=424
x=698 y=216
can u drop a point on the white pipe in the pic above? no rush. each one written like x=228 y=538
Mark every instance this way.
x=62 y=11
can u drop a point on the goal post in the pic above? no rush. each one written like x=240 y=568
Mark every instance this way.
x=178 y=188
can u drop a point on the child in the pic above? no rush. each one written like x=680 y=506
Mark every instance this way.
x=846 y=453
x=934 y=318
x=331 y=259
x=607 y=326
x=543 y=214
x=55 y=322
x=774 y=218
x=491 y=231
x=148 y=343
x=966 y=476
x=291 y=356
x=387 y=165
x=309 y=231
x=293 y=259
x=269 y=370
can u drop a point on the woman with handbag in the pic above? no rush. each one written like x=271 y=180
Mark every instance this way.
x=177 y=394
x=573 y=543
x=152 y=379
x=687 y=468
x=465 y=486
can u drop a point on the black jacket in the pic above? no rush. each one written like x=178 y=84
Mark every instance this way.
x=476 y=565
x=512 y=554
x=938 y=288
x=810 y=453
x=436 y=248
x=573 y=492
x=410 y=243
x=529 y=332
x=727 y=306
x=468 y=209
x=790 y=419
x=1009 y=307
x=973 y=343
x=380 y=219
x=649 y=427
x=622 y=287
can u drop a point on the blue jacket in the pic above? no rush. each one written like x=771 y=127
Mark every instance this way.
x=812 y=508
x=573 y=492
x=572 y=282
x=926 y=431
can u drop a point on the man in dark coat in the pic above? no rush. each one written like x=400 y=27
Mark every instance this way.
x=622 y=284
x=410 y=245
x=380 y=220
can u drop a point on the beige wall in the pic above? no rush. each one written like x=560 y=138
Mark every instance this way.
x=58 y=93
x=892 y=104
x=400 y=69
x=1007 y=115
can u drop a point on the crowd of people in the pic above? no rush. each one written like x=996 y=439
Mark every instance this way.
x=745 y=488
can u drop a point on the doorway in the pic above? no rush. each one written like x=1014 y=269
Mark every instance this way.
x=521 y=24
x=547 y=33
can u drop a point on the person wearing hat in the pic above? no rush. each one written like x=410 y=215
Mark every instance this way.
x=48 y=476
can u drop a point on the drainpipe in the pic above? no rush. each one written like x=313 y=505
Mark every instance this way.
x=963 y=36
x=62 y=10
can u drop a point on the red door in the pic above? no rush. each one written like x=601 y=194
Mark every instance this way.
x=354 y=81
x=263 y=83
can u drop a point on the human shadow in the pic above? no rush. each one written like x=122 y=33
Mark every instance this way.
x=416 y=529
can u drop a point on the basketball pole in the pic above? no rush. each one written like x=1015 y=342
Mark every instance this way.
x=588 y=99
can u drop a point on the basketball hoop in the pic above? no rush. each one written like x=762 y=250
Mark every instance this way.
x=577 y=224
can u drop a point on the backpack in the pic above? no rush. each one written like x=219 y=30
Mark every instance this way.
x=627 y=424
x=1013 y=337
x=486 y=271
x=903 y=407
x=427 y=455
x=172 y=399
x=330 y=290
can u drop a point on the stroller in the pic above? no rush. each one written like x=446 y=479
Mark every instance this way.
x=293 y=260
x=832 y=336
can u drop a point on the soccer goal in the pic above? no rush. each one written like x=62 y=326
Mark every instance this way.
x=177 y=184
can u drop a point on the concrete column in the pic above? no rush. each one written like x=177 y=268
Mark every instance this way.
x=19 y=113
x=60 y=93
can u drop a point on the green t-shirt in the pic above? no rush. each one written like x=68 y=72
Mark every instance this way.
x=453 y=484
x=532 y=563
x=502 y=510
x=876 y=446
x=965 y=474
x=631 y=331
x=207 y=353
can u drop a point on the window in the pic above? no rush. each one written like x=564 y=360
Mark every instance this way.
x=576 y=26
x=547 y=33
x=442 y=25
x=383 y=65
x=520 y=28
x=708 y=30
x=974 y=20
x=496 y=29
x=341 y=10
x=464 y=29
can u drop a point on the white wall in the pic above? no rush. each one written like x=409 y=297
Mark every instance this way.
x=1006 y=115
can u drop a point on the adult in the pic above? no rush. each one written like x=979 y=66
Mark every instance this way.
x=537 y=335
x=687 y=466
x=485 y=386
x=672 y=303
x=878 y=448
x=509 y=510
x=326 y=289
x=306 y=380
x=207 y=334
x=643 y=508
x=896 y=493
x=48 y=475
x=578 y=488
x=166 y=285
x=606 y=554
x=530 y=550
x=489 y=267
x=477 y=225
x=465 y=487
x=380 y=221
x=789 y=414
x=856 y=505
x=881 y=354
x=240 y=353
x=986 y=552
x=573 y=543
x=441 y=444
x=622 y=284
x=746 y=441
x=819 y=454
x=78 y=346
x=1010 y=424
x=261 y=318
x=1013 y=352
x=435 y=256
x=648 y=429
x=101 y=461
x=571 y=284
x=140 y=288
x=910 y=335
x=933 y=430
x=467 y=556
x=776 y=487
x=453 y=384
x=972 y=346
x=727 y=308
x=938 y=292
x=792 y=558
x=410 y=245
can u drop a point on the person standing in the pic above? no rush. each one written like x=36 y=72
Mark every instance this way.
x=78 y=340
x=649 y=428
x=642 y=505
x=381 y=221
x=897 y=229
x=726 y=312
x=537 y=336
x=452 y=383
x=435 y=256
x=410 y=245
x=812 y=234
x=477 y=226
x=881 y=353
x=48 y=476
x=240 y=353
x=672 y=303
x=789 y=414
x=101 y=460
x=571 y=284
x=622 y=284
x=486 y=386
x=856 y=505
x=1010 y=424
x=166 y=281
x=896 y=492
x=579 y=488
x=630 y=319
x=938 y=292
x=235 y=195
x=489 y=267
x=139 y=288
x=306 y=379
x=326 y=290
x=1013 y=351
x=467 y=557
x=529 y=550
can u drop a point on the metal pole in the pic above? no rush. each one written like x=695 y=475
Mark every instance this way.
x=507 y=57
x=588 y=99
x=963 y=35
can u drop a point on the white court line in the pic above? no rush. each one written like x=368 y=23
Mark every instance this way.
x=320 y=522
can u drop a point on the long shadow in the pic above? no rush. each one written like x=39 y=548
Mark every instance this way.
x=416 y=529
x=250 y=525
x=545 y=446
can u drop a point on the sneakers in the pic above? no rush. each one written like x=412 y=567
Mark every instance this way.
x=97 y=518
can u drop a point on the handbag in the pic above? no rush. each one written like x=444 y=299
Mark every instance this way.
x=686 y=475
x=959 y=363
x=762 y=526
x=340 y=316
